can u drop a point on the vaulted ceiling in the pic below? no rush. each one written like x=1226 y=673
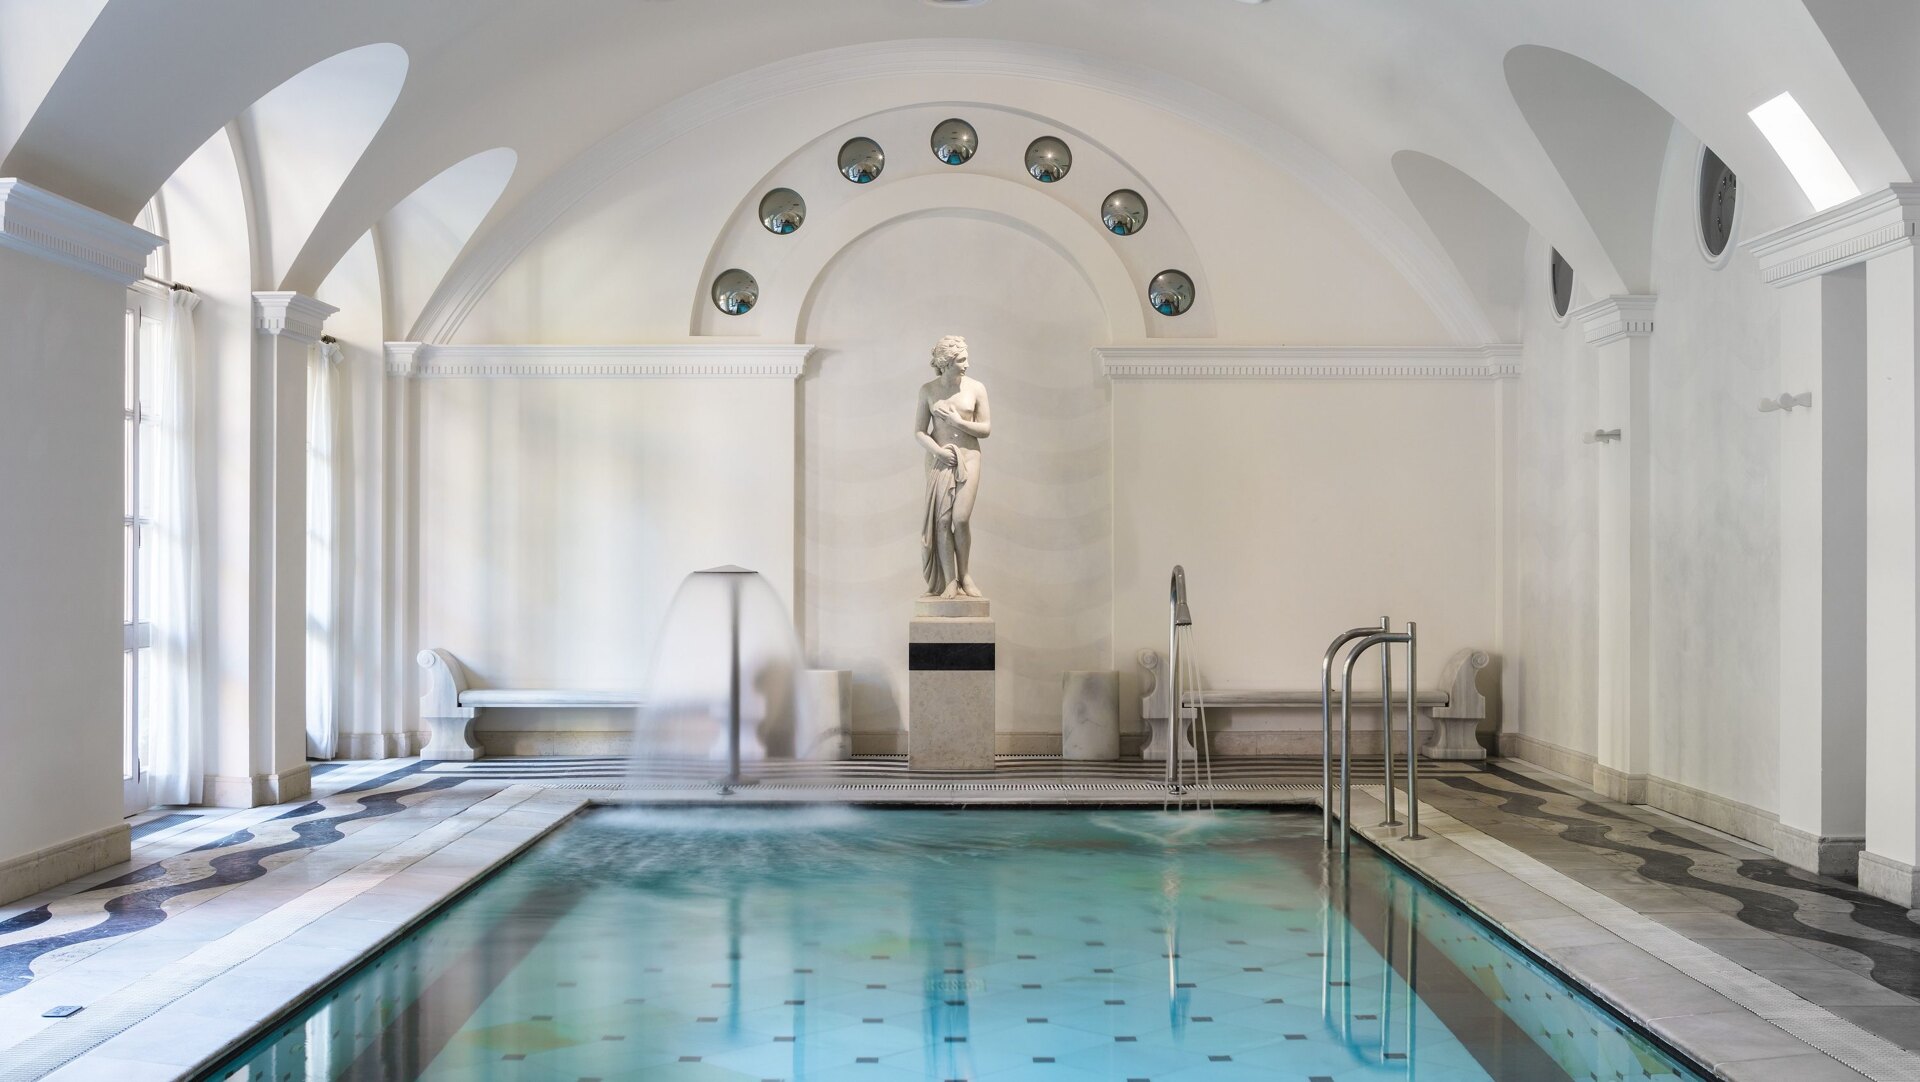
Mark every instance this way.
x=1413 y=105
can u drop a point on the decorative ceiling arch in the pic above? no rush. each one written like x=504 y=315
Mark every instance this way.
x=301 y=140
x=1426 y=269
x=1486 y=238
x=1609 y=143
x=424 y=233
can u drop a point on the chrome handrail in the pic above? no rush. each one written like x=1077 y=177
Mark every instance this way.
x=1327 y=658
x=1381 y=638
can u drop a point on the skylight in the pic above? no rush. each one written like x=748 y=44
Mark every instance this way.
x=1811 y=161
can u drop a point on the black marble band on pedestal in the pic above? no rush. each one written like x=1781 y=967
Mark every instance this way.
x=950 y=656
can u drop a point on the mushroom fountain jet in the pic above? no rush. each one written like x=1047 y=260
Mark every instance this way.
x=726 y=682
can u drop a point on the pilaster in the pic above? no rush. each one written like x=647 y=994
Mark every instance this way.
x=1823 y=512
x=1621 y=330
x=1888 y=865
x=287 y=326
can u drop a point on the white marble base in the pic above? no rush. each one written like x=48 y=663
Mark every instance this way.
x=1618 y=785
x=258 y=790
x=1889 y=879
x=1814 y=853
x=951 y=607
x=1454 y=741
x=451 y=738
x=1156 y=746
x=1090 y=715
x=950 y=693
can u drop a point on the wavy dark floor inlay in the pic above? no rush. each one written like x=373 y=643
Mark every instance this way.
x=1768 y=900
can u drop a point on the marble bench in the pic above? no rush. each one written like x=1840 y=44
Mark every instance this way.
x=1455 y=708
x=448 y=705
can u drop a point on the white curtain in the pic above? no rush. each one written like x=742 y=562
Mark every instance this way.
x=175 y=698
x=326 y=423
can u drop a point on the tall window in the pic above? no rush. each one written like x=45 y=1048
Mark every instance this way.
x=145 y=309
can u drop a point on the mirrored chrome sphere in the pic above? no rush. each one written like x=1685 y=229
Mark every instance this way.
x=955 y=141
x=1048 y=159
x=1170 y=293
x=782 y=210
x=861 y=159
x=735 y=292
x=1124 y=213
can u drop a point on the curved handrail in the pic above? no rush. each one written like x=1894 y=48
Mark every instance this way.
x=1326 y=726
x=1382 y=638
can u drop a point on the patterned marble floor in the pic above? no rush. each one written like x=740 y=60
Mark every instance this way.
x=1855 y=955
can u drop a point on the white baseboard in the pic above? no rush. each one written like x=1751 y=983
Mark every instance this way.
x=1577 y=765
x=1889 y=879
x=1724 y=814
x=31 y=873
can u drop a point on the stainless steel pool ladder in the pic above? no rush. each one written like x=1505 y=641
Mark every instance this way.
x=1369 y=637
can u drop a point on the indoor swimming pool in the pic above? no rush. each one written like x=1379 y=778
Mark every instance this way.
x=862 y=943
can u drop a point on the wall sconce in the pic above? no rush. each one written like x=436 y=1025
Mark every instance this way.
x=1786 y=402
x=1601 y=435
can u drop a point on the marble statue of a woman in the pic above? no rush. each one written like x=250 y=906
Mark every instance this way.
x=949 y=422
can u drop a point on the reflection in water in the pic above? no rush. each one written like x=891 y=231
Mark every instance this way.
x=810 y=943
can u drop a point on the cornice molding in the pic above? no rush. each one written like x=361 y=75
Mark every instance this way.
x=688 y=360
x=1427 y=269
x=1309 y=362
x=1853 y=232
x=1611 y=319
x=291 y=315
x=39 y=223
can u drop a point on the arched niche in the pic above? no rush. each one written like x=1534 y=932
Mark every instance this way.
x=787 y=294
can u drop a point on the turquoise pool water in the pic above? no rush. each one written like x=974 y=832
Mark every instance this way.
x=868 y=944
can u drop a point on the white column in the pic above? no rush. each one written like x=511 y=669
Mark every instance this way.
x=1879 y=319
x=1823 y=668
x=1620 y=329
x=287 y=325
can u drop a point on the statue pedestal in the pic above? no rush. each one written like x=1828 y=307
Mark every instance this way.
x=950 y=689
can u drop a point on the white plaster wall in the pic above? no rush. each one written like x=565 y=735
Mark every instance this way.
x=1300 y=509
x=60 y=581
x=1043 y=525
x=1553 y=667
x=1715 y=507
x=558 y=516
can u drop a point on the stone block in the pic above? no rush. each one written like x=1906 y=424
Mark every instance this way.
x=1090 y=715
